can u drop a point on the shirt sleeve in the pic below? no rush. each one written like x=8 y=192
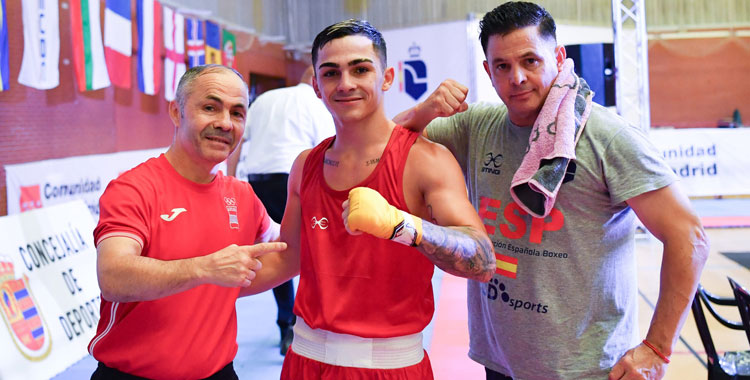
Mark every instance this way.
x=122 y=212
x=454 y=132
x=633 y=166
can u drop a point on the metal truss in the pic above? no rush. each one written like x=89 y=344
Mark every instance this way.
x=631 y=61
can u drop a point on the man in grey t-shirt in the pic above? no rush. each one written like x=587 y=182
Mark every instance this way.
x=563 y=304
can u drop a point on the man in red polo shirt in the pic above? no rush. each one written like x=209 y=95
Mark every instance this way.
x=176 y=242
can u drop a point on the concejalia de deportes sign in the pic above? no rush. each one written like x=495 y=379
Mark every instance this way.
x=49 y=294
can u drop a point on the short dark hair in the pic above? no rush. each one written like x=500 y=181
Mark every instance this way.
x=515 y=15
x=351 y=27
x=185 y=85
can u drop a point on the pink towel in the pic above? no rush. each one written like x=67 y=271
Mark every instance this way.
x=552 y=143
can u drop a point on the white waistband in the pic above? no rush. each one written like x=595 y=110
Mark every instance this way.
x=352 y=351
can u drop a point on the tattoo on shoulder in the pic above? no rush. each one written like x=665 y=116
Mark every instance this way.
x=372 y=161
x=330 y=162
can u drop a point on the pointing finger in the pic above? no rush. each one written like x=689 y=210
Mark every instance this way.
x=261 y=249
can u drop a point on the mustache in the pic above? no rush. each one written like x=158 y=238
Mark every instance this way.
x=219 y=134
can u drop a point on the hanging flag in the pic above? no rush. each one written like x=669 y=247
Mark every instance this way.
x=118 y=42
x=41 y=44
x=174 y=45
x=149 y=46
x=195 y=50
x=4 y=82
x=88 y=51
x=213 y=43
x=229 y=49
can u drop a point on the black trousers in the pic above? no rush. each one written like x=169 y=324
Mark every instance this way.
x=492 y=375
x=105 y=373
x=271 y=190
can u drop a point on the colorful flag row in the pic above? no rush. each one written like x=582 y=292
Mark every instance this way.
x=100 y=63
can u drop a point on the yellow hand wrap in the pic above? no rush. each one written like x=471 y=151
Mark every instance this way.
x=370 y=212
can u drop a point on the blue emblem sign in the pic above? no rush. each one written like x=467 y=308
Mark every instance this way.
x=413 y=74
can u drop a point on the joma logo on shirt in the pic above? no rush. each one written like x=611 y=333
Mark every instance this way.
x=175 y=212
x=517 y=226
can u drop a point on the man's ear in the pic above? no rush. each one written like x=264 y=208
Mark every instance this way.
x=315 y=86
x=388 y=77
x=560 y=56
x=174 y=112
x=487 y=69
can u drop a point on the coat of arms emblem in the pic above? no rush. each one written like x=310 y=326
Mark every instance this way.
x=22 y=315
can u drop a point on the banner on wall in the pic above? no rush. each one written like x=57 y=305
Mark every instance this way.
x=421 y=61
x=708 y=161
x=50 y=294
x=40 y=184
x=425 y=56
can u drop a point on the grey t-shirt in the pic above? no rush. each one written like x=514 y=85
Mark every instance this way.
x=564 y=305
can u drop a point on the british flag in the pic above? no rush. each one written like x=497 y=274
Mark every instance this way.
x=196 y=50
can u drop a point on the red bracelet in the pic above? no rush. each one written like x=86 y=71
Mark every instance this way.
x=656 y=351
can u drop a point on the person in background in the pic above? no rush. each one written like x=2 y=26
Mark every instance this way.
x=281 y=123
x=561 y=213
x=176 y=243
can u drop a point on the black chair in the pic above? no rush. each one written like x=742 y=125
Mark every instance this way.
x=743 y=302
x=715 y=370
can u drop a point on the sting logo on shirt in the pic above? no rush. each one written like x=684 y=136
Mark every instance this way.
x=492 y=163
x=322 y=223
x=231 y=205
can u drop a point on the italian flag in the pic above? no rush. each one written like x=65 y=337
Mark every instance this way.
x=88 y=51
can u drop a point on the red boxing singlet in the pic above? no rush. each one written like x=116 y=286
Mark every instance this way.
x=360 y=285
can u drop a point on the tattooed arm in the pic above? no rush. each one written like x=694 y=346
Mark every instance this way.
x=460 y=251
x=454 y=238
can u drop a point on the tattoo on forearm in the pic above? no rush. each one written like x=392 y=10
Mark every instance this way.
x=458 y=250
x=372 y=161
x=330 y=162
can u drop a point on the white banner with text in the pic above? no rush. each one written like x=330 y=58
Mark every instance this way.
x=708 y=161
x=39 y=184
x=49 y=291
